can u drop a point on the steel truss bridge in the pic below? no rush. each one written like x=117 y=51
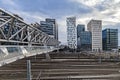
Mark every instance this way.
x=14 y=29
x=19 y=39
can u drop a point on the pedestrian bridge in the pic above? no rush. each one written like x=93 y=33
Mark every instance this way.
x=19 y=39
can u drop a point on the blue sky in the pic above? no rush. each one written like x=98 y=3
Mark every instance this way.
x=36 y=10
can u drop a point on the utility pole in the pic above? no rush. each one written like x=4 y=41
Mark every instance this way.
x=29 y=70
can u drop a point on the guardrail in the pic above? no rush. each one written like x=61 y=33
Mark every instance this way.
x=10 y=54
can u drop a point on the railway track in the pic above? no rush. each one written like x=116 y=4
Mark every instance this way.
x=63 y=66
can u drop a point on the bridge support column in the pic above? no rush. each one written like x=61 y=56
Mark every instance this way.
x=47 y=57
x=29 y=70
x=47 y=54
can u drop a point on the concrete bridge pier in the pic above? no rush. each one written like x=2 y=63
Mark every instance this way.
x=47 y=57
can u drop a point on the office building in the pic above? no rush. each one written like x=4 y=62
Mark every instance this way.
x=55 y=26
x=83 y=38
x=71 y=32
x=80 y=28
x=95 y=27
x=48 y=28
x=110 y=39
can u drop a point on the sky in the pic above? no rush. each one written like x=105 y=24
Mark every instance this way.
x=37 y=10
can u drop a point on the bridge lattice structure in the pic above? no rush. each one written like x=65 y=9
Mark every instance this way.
x=19 y=39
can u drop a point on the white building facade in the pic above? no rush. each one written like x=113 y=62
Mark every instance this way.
x=95 y=27
x=71 y=32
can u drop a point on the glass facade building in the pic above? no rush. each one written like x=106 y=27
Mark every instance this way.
x=80 y=28
x=83 y=38
x=50 y=27
x=55 y=26
x=110 y=39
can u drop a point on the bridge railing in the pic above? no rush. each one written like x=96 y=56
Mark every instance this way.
x=10 y=54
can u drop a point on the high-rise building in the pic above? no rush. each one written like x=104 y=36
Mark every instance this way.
x=83 y=38
x=95 y=27
x=80 y=28
x=110 y=39
x=53 y=21
x=50 y=27
x=71 y=32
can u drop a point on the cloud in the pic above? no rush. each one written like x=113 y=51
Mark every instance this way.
x=110 y=13
x=54 y=8
x=8 y=2
x=30 y=17
x=89 y=3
